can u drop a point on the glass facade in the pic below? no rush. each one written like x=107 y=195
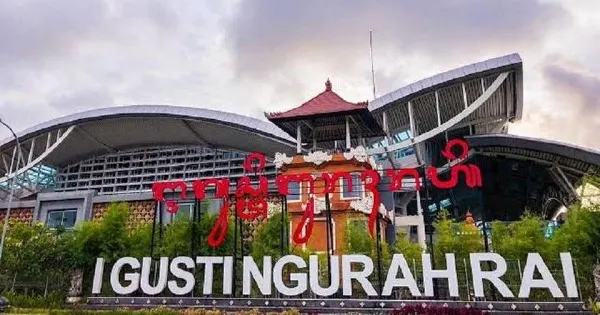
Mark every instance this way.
x=137 y=170
x=395 y=138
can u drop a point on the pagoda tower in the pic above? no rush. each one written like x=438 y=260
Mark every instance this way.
x=330 y=134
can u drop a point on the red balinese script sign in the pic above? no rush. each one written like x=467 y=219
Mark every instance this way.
x=251 y=200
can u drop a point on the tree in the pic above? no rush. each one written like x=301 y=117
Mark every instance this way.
x=580 y=236
x=449 y=237
x=515 y=240
x=411 y=251
x=108 y=238
x=267 y=241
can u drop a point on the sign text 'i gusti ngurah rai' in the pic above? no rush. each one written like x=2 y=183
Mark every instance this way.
x=128 y=275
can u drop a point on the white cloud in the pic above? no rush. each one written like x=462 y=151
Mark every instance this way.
x=251 y=56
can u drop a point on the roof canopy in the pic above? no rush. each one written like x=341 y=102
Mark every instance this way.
x=324 y=118
x=79 y=136
x=575 y=160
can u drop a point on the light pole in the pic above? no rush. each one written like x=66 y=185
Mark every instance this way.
x=12 y=186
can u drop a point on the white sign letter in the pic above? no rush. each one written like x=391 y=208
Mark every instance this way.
x=569 y=275
x=408 y=281
x=493 y=276
x=250 y=271
x=187 y=276
x=360 y=276
x=132 y=277
x=227 y=275
x=448 y=273
x=534 y=260
x=208 y=271
x=315 y=287
x=299 y=278
x=98 y=275
x=163 y=271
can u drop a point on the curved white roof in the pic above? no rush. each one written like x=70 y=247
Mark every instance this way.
x=575 y=159
x=123 y=127
x=446 y=100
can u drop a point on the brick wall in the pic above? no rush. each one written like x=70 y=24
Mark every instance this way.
x=23 y=215
x=140 y=211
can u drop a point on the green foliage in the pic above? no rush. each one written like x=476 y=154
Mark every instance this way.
x=109 y=238
x=38 y=246
x=580 y=235
x=177 y=237
x=515 y=240
x=458 y=238
x=52 y=301
x=411 y=251
x=267 y=241
x=357 y=238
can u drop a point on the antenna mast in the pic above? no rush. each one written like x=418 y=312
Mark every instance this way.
x=372 y=65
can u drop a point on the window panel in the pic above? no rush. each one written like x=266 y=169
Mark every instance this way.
x=357 y=188
x=184 y=212
x=295 y=193
x=61 y=218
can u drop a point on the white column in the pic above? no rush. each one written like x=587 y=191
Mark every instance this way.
x=421 y=226
x=386 y=128
x=411 y=120
x=314 y=134
x=348 y=144
x=298 y=139
x=437 y=108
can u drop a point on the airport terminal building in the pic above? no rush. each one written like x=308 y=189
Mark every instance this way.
x=69 y=169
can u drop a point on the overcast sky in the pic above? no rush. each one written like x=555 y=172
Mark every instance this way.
x=62 y=56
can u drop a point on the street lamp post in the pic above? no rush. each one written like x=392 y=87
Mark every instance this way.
x=12 y=187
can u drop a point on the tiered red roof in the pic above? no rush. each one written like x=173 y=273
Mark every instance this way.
x=326 y=102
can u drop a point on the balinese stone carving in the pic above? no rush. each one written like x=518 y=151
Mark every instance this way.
x=365 y=204
x=318 y=157
x=359 y=153
x=76 y=289
x=282 y=159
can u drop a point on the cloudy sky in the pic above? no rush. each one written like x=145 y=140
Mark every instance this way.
x=248 y=56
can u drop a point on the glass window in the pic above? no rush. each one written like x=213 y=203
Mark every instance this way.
x=356 y=188
x=185 y=212
x=211 y=205
x=61 y=218
x=445 y=203
x=295 y=193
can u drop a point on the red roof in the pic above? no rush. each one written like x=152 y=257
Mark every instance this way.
x=327 y=102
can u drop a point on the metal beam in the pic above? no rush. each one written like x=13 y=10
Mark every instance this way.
x=307 y=124
x=413 y=133
x=451 y=122
x=566 y=181
x=437 y=108
x=48 y=140
x=411 y=120
x=466 y=101
x=526 y=158
x=96 y=140
x=42 y=156
x=482 y=86
x=196 y=135
x=386 y=127
x=31 y=149
x=487 y=120
x=5 y=163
